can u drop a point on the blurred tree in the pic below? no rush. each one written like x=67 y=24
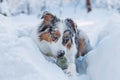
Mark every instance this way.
x=76 y=3
x=88 y=4
x=0 y=6
x=1 y=1
x=36 y=7
x=44 y=7
x=28 y=8
x=60 y=6
x=3 y=13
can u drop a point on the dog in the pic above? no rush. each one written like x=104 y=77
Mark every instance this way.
x=57 y=38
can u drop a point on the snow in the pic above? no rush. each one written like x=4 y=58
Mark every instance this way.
x=103 y=61
x=16 y=7
x=20 y=58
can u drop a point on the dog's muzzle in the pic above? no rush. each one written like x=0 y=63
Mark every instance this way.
x=60 y=53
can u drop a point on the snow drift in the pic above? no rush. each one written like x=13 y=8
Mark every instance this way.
x=103 y=61
x=20 y=58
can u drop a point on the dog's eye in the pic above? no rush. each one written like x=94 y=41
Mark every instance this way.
x=54 y=37
x=65 y=40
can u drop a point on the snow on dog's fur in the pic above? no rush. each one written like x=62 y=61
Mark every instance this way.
x=59 y=38
x=48 y=36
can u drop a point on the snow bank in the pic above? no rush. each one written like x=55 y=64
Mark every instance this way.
x=103 y=61
x=20 y=58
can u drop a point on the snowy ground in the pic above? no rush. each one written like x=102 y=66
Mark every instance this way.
x=20 y=58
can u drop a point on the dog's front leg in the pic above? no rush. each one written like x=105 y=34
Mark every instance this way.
x=71 y=70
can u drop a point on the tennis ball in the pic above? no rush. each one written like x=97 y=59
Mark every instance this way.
x=62 y=62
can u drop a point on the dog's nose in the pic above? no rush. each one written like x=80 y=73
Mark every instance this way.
x=61 y=53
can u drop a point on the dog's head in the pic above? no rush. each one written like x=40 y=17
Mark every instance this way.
x=68 y=30
x=58 y=33
x=50 y=32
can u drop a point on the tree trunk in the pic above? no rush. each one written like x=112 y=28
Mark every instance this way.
x=88 y=4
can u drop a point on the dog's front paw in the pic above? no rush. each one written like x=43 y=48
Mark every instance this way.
x=71 y=70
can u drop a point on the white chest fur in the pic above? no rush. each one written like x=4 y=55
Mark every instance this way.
x=44 y=47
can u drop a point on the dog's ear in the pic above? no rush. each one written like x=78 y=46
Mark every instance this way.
x=70 y=23
x=49 y=18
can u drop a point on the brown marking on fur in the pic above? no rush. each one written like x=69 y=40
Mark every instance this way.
x=81 y=47
x=72 y=24
x=82 y=44
x=47 y=18
x=49 y=37
x=69 y=45
x=46 y=36
x=57 y=33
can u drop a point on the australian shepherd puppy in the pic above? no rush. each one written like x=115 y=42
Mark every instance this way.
x=58 y=38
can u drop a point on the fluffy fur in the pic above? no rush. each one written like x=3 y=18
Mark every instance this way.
x=58 y=38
